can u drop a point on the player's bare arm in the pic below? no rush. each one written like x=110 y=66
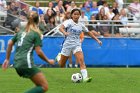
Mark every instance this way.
x=8 y=53
x=63 y=31
x=94 y=37
x=42 y=56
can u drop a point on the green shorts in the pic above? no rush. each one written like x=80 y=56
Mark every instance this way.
x=27 y=72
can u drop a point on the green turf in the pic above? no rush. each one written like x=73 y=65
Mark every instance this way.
x=105 y=80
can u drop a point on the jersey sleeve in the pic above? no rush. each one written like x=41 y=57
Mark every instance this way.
x=84 y=28
x=37 y=41
x=14 y=39
x=66 y=23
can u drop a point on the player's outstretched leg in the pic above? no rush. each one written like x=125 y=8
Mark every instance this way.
x=61 y=59
x=80 y=59
x=41 y=83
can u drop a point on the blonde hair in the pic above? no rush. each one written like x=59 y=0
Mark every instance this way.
x=33 y=20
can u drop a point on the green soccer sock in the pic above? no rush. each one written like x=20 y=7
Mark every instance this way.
x=37 y=89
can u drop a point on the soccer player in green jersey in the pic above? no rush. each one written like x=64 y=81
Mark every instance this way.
x=26 y=41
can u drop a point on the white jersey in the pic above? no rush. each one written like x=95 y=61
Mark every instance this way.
x=74 y=30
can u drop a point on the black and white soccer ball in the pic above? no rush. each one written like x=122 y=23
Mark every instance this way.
x=76 y=78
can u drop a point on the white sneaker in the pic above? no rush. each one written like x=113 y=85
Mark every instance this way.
x=76 y=65
x=70 y=65
x=88 y=79
x=58 y=57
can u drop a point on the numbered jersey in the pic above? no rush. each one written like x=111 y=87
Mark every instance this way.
x=25 y=44
x=74 y=30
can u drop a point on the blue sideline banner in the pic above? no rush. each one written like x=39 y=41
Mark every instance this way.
x=114 y=51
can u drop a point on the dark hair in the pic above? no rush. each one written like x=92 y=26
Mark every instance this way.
x=75 y=10
x=51 y=17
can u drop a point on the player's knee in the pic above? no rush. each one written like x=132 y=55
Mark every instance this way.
x=62 y=65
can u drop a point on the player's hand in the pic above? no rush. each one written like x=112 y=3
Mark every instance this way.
x=99 y=42
x=51 y=61
x=5 y=64
x=66 y=33
x=81 y=40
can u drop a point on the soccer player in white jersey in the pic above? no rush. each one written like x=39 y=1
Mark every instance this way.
x=71 y=28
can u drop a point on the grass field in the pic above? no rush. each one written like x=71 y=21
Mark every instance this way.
x=105 y=80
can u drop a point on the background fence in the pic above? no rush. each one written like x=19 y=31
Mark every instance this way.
x=113 y=52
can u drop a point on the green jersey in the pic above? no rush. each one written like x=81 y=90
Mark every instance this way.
x=25 y=44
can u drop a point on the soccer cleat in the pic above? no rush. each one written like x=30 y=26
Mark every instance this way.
x=88 y=79
x=58 y=57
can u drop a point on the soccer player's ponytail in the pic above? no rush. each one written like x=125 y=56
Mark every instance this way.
x=33 y=20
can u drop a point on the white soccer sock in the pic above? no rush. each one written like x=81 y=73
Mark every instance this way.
x=84 y=73
x=70 y=65
x=76 y=65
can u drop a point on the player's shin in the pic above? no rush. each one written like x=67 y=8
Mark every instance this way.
x=37 y=89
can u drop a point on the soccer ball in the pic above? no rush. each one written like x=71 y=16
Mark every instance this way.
x=76 y=78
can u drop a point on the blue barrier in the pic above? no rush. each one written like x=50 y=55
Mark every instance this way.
x=114 y=51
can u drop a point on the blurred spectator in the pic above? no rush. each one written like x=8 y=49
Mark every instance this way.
x=71 y=6
x=89 y=2
x=17 y=7
x=59 y=18
x=50 y=6
x=22 y=4
x=37 y=9
x=50 y=25
x=123 y=16
x=9 y=2
x=104 y=30
x=3 y=5
x=101 y=14
x=120 y=4
x=83 y=19
x=67 y=16
x=12 y=13
x=60 y=8
x=100 y=2
x=48 y=13
x=88 y=12
x=110 y=14
x=105 y=6
x=42 y=25
x=94 y=8
x=115 y=8
x=135 y=8
x=24 y=13
x=92 y=26
x=82 y=7
x=116 y=28
x=55 y=3
x=66 y=3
